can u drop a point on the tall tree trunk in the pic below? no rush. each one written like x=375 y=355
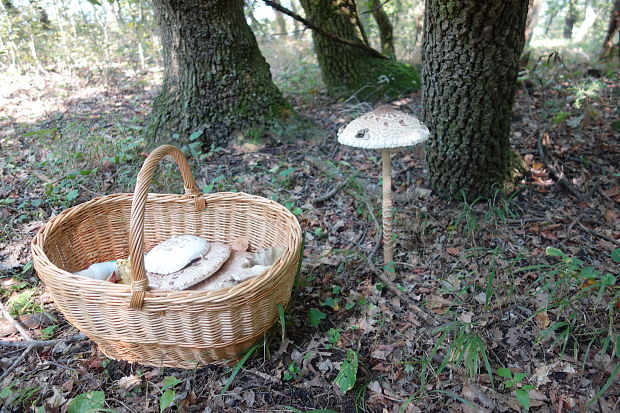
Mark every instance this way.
x=293 y=7
x=533 y=14
x=215 y=78
x=570 y=19
x=612 y=31
x=386 y=31
x=587 y=23
x=470 y=69
x=280 y=23
x=347 y=70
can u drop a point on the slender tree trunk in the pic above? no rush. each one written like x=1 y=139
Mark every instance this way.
x=293 y=7
x=67 y=56
x=138 y=24
x=280 y=23
x=35 y=55
x=570 y=19
x=533 y=14
x=215 y=78
x=587 y=23
x=612 y=31
x=348 y=70
x=386 y=31
x=471 y=55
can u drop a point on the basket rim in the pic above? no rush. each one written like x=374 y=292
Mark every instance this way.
x=157 y=297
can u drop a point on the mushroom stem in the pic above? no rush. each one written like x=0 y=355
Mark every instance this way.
x=388 y=251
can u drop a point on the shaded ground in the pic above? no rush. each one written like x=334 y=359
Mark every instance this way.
x=480 y=271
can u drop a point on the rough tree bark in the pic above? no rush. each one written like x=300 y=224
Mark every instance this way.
x=612 y=31
x=215 y=78
x=386 y=31
x=347 y=70
x=471 y=55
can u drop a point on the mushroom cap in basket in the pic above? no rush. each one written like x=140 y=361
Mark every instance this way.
x=175 y=253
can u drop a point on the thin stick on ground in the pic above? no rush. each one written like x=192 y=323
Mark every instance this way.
x=391 y=285
x=16 y=362
x=559 y=175
x=330 y=193
x=22 y=330
x=42 y=343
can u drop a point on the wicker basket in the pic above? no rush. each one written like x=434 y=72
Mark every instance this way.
x=157 y=327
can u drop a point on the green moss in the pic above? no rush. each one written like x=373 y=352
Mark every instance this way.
x=382 y=79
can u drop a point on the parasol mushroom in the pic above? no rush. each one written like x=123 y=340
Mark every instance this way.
x=384 y=128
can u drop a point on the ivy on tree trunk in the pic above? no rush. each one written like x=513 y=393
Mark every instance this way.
x=470 y=68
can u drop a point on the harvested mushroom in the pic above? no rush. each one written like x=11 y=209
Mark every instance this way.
x=175 y=253
x=199 y=270
x=99 y=271
x=385 y=128
x=241 y=266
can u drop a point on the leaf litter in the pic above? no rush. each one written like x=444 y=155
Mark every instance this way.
x=481 y=266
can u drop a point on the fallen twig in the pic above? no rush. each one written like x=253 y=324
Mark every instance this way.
x=559 y=175
x=331 y=193
x=16 y=363
x=391 y=285
x=17 y=324
x=598 y=234
x=42 y=343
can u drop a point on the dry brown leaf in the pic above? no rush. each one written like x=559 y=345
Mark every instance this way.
x=241 y=244
x=129 y=382
x=542 y=320
x=438 y=304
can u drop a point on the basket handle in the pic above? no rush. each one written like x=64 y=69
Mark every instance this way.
x=139 y=281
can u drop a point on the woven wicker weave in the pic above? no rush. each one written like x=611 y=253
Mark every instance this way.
x=157 y=327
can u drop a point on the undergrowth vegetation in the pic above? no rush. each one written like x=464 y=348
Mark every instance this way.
x=522 y=289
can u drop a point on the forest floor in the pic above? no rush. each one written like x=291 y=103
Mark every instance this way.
x=518 y=295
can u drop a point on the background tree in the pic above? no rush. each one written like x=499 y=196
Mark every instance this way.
x=215 y=78
x=347 y=70
x=570 y=18
x=533 y=15
x=612 y=31
x=470 y=68
x=386 y=30
x=587 y=23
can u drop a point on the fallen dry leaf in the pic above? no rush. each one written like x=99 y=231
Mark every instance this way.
x=129 y=382
x=241 y=244
x=542 y=320
x=438 y=304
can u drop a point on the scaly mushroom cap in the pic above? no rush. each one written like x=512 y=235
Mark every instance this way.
x=175 y=253
x=193 y=274
x=383 y=128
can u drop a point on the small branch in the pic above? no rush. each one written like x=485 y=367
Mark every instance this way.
x=383 y=276
x=322 y=32
x=376 y=8
x=598 y=234
x=526 y=220
x=15 y=363
x=558 y=174
x=42 y=343
x=22 y=330
x=331 y=193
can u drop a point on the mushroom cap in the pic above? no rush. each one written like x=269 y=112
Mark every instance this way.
x=175 y=253
x=383 y=128
x=196 y=272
